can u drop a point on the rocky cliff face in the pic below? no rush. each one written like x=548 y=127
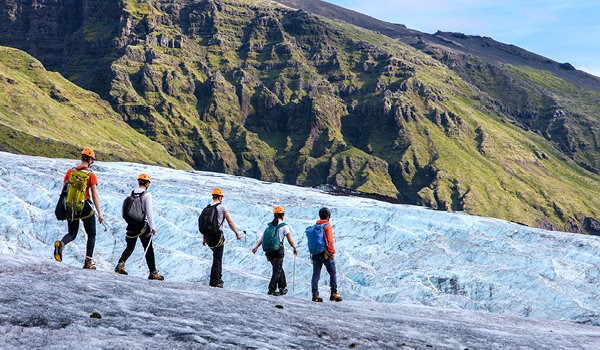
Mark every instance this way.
x=257 y=89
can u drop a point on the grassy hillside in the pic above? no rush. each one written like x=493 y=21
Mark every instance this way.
x=43 y=114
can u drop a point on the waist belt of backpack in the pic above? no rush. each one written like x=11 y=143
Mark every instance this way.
x=326 y=262
x=142 y=231
x=92 y=212
x=221 y=241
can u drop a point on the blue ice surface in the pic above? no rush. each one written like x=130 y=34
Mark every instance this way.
x=384 y=252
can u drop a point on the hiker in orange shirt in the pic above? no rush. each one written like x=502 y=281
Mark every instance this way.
x=82 y=210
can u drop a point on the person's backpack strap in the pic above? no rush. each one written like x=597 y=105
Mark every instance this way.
x=277 y=230
x=83 y=170
x=325 y=236
x=217 y=214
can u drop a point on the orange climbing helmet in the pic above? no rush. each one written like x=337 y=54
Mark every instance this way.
x=278 y=210
x=89 y=152
x=144 y=177
x=217 y=192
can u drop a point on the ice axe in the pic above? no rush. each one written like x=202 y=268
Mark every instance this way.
x=233 y=239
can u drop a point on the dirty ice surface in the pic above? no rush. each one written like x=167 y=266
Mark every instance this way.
x=47 y=305
x=385 y=252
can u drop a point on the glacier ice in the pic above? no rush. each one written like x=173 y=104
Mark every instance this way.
x=385 y=252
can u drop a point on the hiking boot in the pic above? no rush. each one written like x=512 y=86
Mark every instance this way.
x=317 y=298
x=87 y=264
x=218 y=285
x=59 y=246
x=155 y=276
x=283 y=291
x=120 y=269
x=335 y=297
x=273 y=292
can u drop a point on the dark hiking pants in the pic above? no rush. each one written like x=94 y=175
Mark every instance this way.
x=149 y=255
x=278 y=276
x=318 y=260
x=89 y=225
x=217 y=266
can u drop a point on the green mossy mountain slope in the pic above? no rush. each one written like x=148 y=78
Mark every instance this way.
x=43 y=114
x=257 y=89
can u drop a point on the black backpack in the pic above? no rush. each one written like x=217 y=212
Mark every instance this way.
x=208 y=222
x=133 y=211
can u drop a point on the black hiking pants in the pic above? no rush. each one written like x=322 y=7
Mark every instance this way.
x=89 y=225
x=278 y=276
x=217 y=265
x=149 y=255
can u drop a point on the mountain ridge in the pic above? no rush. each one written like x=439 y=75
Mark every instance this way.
x=480 y=46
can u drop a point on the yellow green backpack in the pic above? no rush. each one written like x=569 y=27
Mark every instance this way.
x=75 y=196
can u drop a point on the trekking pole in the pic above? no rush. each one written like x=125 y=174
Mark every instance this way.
x=145 y=251
x=294 y=278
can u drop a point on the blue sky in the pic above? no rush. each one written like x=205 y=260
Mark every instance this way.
x=562 y=30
